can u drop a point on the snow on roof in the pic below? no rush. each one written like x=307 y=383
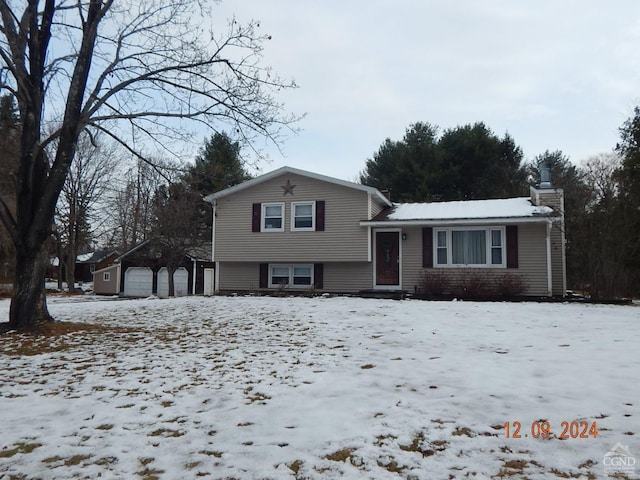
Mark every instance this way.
x=83 y=257
x=501 y=208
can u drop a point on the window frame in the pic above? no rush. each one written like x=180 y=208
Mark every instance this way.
x=489 y=247
x=291 y=275
x=106 y=276
x=263 y=217
x=312 y=228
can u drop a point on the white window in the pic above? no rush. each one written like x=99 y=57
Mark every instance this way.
x=473 y=247
x=106 y=276
x=303 y=216
x=272 y=217
x=290 y=276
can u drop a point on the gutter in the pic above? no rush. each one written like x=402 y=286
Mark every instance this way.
x=452 y=221
x=216 y=272
x=549 y=272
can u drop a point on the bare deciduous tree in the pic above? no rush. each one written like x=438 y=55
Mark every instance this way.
x=135 y=71
x=87 y=182
x=131 y=211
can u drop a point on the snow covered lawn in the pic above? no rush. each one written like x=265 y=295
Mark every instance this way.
x=292 y=388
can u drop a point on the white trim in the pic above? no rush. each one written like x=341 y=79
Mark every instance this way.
x=312 y=228
x=488 y=247
x=375 y=260
x=263 y=216
x=106 y=277
x=213 y=230
x=453 y=222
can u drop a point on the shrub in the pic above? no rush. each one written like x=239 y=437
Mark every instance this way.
x=434 y=283
x=474 y=285
x=509 y=285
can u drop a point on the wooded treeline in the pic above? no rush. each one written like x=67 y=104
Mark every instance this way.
x=602 y=194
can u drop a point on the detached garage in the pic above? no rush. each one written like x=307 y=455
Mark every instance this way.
x=180 y=282
x=138 y=282
x=142 y=271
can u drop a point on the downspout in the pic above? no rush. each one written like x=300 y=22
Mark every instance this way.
x=369 y=216
x=549 y=272
x=216 y=273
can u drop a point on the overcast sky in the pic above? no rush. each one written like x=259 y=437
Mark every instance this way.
x=556 y=75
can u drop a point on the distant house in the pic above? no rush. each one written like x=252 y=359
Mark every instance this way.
x=299 y=230
x=86 y=263
x=89 y=262
x=142 y=272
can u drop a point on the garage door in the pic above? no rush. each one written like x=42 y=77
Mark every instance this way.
x=138 y=282
x=180 y=282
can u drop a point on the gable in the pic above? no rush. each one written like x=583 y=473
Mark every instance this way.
x=302 y=176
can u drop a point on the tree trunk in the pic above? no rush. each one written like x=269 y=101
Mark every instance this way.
x=171 y=270
x=29 y=304
x=70 y=267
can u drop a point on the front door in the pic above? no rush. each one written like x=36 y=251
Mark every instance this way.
x=388 y=259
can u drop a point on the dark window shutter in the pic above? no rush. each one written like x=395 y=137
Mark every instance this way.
x=264 y=275
x=512 y=246
x=319 y=215
x=427 y=247
x=318 y=276
x=255 y=218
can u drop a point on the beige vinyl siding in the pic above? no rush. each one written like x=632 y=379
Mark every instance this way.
x=109 y=287
x=342 y=240
x=557 y=259
x=346 y=277
x=239 y=276
x=532 y=257
x=376 y=207
x=532 y=262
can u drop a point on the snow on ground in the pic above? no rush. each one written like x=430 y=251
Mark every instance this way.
x=292 y=388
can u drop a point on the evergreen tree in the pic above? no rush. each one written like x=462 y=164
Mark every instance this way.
x=217 y=166
x=629 y=180
x=468 y=162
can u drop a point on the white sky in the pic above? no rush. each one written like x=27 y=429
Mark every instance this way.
x=555 y=75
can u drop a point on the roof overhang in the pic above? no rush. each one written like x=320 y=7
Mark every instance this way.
x=295 y=171
x=439 y=222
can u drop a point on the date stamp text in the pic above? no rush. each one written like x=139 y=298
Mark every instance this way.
x=543 y=429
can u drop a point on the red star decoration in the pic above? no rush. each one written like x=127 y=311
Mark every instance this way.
x=288 y=188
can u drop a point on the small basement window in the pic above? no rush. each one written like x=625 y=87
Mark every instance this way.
x=290 y=276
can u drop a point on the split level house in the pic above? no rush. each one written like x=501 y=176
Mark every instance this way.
x=297 y=230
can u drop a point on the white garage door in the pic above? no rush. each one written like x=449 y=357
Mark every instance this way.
x=180 y=282
x=138 y=282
